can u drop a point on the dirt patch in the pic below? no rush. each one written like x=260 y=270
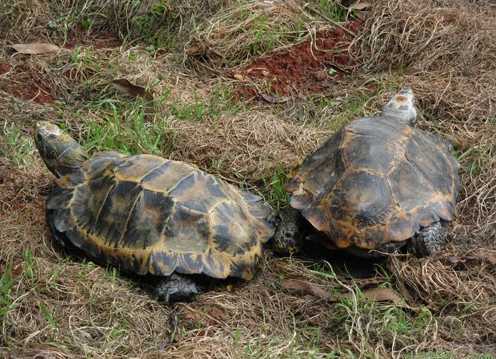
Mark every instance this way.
x=26 y=83
x=308 y=67
x=4 y=68
x=19 y=190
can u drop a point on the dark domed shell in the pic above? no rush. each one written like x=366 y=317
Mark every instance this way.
x=376 y=181
x=147 y=214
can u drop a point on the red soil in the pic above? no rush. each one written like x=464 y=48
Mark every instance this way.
x=308 y=67
x=26 y=84
x=4 y=68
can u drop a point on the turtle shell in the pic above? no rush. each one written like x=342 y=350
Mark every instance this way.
x=376 y=181
x=149 y=215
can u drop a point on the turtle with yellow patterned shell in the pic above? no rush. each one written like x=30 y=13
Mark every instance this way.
x=152 y=216
x=378 y=184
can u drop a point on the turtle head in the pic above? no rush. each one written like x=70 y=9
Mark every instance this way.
x=402 y=106
x=60 y=152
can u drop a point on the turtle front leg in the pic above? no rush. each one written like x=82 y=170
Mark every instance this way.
x=429 y=240
x=289 y=234
x=176 y=288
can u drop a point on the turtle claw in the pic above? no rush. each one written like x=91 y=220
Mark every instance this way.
x=176 y=288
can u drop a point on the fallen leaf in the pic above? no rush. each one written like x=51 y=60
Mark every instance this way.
x=487 y=256
x=273 y=99
x=478 y=256
x=383 y=295
x=35 y=48
x=359 y=5
x=305 y=287
x=130 y=89
x=239 y=76
x=373 y=294
x=4 y=68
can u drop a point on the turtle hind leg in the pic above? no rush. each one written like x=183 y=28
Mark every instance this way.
x=176 y=288
x=429 y=240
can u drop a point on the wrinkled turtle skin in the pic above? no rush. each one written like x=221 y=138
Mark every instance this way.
x=149 y=215
x=379 y=183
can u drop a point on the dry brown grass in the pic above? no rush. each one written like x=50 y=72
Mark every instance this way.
x=446 y=47
x=247 y=147
x=243 y=30
x=63 y=21
x=459 y=285
x=62 y=307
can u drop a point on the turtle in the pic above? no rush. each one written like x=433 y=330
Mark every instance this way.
x=377 y=186
x=151 y=216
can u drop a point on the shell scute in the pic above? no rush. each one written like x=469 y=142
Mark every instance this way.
x=112 y=219
x=362 y=197
x=166 y=176
x=145 y=223
x=409 y=186
x=367 y=148
x=186 y=231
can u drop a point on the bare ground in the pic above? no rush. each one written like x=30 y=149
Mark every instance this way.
x=230 y=107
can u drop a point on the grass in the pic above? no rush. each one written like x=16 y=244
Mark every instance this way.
x=276 y=195
x=122 y=127
x=52 y=304
x=16 y=146
x=332 y=10
x=6 y=283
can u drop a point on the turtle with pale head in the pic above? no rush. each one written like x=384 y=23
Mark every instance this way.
x=148 y=215
x=378 y=184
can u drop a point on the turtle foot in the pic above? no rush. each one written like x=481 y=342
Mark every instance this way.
x=429 y=240
x=176 y=288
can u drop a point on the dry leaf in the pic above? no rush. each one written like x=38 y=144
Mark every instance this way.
x=36 y=48
x=479 y=256
x=129 y=89
x=383 y=295
x=359 y=5
x=486 y=255
x=374 y=294
x=273 y=99
x=239 y=76
x=304 y=287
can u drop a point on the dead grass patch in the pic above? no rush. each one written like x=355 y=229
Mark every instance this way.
x=446 y=47
x=248 y=146
x=242 y=30
x=477 y=207
x=427 y=35
x=60 y=307
x=250 y=28
x=103 y=23
x=459 y=287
